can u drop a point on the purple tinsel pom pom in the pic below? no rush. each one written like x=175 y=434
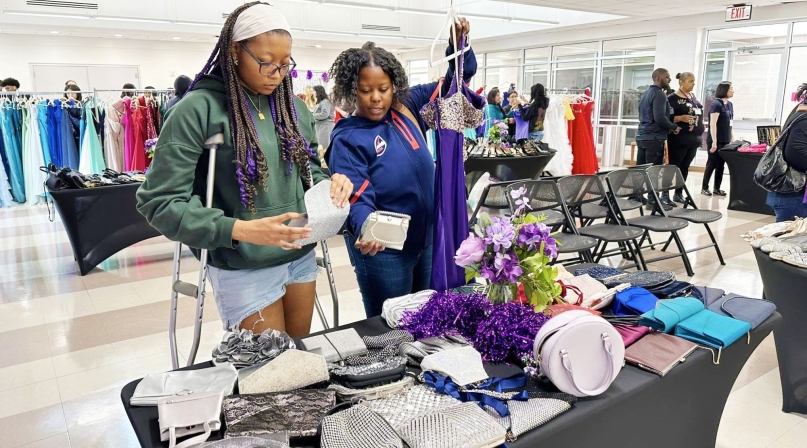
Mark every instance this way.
x=324 y=76
x=294 y=73
x=510 y=327
x=447 y=313
x=494 y=330
x=309 y=74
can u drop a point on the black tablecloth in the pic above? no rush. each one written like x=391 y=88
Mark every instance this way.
x=785 y=285
x=505 y=168
x=639 y=410
x=745 y=195
x=101 y=221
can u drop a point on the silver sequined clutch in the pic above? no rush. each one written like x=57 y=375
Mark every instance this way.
x=358 y=427
x=324 y=218
x=464 y=425
x=417 y=401
x=528 y=415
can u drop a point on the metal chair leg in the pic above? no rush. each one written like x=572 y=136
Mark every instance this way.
x=664 y=249
x=717 y=248
x=326 y=257
x=684 y=255
x=321 y=313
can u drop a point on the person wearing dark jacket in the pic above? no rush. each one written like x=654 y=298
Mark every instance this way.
x=655 y=125
x=721 y=118
x=260 y=277
x=788 y=206
x=381 y=148
x=535 y=112
x=181 y=86
x=683 y=147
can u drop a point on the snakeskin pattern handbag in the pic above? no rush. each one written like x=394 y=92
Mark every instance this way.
x=298 y=412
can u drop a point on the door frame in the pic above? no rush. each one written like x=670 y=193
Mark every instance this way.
x=781 y=81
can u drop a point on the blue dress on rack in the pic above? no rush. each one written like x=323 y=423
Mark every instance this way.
x=54 y=133
x=10 y=120
x=69 y=150
x=42 y=117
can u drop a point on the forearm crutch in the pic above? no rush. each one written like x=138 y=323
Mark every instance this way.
x=187 y=289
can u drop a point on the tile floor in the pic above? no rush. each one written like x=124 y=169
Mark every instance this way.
x=71 y=342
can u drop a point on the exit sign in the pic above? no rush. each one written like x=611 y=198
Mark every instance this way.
x=736 y=13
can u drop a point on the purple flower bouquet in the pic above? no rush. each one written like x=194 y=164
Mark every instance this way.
x=513 y=251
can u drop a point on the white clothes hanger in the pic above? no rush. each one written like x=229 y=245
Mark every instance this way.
x=451 y=19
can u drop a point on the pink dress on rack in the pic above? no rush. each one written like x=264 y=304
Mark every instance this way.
x=583 y=148
x=128 y=134
x=139 y=162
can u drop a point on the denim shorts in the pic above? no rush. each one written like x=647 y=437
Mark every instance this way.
x=537 y=135
x=242 y=293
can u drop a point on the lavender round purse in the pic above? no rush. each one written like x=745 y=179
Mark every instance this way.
x=580 y=353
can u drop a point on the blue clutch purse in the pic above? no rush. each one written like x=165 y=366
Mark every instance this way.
x=669 y=313
x=634 y=302
x=753 y=311
x=712 y=330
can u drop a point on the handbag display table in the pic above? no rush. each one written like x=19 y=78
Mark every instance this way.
x=640 y=409
x=745 y=194
x=784 y=285
x=101 y=222
x=505 y=168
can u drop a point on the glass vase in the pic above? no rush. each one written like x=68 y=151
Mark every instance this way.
x=500 y=293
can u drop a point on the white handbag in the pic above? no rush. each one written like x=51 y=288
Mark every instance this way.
x=186 y=415
x=155 y=386
x=580 y=353
x=386 y=228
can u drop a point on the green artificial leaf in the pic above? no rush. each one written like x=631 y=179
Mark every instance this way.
x=470 y=274
x=530 y=219
x=478 y=231
x=484 y=220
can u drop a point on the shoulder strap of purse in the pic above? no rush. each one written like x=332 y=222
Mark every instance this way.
x=786 y=131
x=436 y=92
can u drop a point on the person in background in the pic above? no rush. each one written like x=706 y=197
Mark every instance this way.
x=721 y=119
x=148 y=93
x=493 y=111
x=127 y=86
x=535 y=111
x=10 y=85
x=70 y=82
x=261 y=279
x=655 y=126
x=506 y=99
x=72 y=96
x=788 y=206
x=181 y=85
x=509 y=110
x=324 y=116
x=688 y=113
x=382 y=149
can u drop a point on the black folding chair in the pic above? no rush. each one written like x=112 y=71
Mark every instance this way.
x=635 y=183
x=669 y=177
x=543 y=197
x=579 y=190
x=493 y=197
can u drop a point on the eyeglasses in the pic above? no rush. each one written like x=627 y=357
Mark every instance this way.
x=269 y=68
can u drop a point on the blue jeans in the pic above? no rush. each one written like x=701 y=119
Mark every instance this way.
x=391 y=273
x=787 y=205
x=537 y=135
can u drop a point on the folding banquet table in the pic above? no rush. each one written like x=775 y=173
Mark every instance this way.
x=784 y=285
x=505 y=168
x=745 y=195
x=101 y=222
x=640 y=409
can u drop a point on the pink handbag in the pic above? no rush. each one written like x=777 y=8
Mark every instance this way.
x=631 y=333
x=580 y=353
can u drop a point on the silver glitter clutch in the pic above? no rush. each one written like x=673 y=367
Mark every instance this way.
x=528 y=415
x=463 y=365
x=251 y=442
x=294 y=369
x=464 y=425
x=324 y=218
x=417 y=401
x=336 y=346
x=358 y=427
x=373 y=393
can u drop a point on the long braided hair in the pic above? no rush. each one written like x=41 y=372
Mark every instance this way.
x=251 y=169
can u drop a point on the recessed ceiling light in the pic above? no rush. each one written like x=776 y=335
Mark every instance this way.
x=317 y=46
x=54 y=32
x=177 y=38
x=119 y=35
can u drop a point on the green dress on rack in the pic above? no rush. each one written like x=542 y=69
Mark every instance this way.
x=91 y=160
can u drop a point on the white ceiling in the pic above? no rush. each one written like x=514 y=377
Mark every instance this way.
x=305 y=16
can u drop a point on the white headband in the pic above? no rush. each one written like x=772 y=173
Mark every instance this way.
x=259 y=19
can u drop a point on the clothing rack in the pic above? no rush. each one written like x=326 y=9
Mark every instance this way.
x=85 y=92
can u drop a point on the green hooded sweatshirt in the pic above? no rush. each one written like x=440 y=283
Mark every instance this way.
x=171 y=198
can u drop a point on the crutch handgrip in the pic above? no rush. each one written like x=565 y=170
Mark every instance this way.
x=214 y=141
x=186 y=289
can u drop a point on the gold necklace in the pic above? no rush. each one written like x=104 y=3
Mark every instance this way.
x=258 y=107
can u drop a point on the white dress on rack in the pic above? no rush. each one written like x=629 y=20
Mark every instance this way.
x=556 y=135
x=32 y=159
x=113 y=136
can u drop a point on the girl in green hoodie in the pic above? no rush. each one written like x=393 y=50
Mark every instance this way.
x=260 y=278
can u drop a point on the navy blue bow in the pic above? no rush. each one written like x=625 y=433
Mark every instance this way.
x=445 y=385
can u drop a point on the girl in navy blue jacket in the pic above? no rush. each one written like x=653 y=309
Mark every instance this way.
x=382 y=149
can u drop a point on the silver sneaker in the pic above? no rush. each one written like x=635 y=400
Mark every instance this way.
x=796 y=259
x=786 y=251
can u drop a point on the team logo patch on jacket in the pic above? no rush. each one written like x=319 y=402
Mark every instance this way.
x=380 y=145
